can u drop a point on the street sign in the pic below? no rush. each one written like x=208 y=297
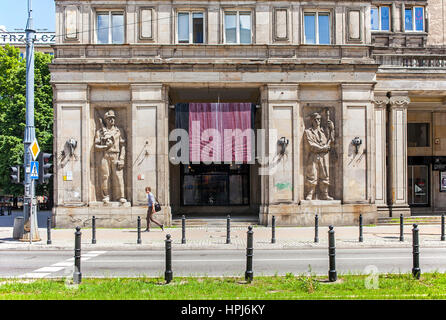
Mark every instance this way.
x=35 y=149
x=34 y=170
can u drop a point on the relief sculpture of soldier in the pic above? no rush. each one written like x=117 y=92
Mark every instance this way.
x=318 y=144
x=110 y=143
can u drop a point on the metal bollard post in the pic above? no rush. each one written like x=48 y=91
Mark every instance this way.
x=273 y=230
x=401 y=227
x=1 y=211
x=442 y=227
x=416 y=271
x=183 y=229
x=168 y=275
x=138 y=226
x=48 y=231
x=249 y=254
x=361 y=238
x=93 y=230
x=228 y=229
x=77 y=276
x=9 y=210
x=316 y=228
x=332 y=275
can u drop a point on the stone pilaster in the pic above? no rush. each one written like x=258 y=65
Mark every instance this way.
x=279 y=174
x=357 y=180
x=150 y=165
x=381 y=101
x=397 y=192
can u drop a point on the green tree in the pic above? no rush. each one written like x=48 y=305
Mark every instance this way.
x=13 y=110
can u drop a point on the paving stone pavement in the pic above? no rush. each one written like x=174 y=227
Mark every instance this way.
x=215 y=238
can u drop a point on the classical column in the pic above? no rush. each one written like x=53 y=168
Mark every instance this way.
x=381 y=101
x=397 y=153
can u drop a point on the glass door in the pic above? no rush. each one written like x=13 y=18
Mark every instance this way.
x=418 y=185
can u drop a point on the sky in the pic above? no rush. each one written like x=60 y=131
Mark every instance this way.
x=14 y=14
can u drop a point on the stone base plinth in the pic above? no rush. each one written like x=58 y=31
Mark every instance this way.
x=331 y=212
x=110 y=215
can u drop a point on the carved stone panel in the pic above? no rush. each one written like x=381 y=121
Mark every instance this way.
x=109 y=155
x=319 y=153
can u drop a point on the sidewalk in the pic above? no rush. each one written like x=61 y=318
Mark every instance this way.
x=215 y=238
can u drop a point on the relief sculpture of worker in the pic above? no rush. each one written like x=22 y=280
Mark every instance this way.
x=318 y=144
x=110 y=143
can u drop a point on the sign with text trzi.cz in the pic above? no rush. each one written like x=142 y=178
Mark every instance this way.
x=20 y=38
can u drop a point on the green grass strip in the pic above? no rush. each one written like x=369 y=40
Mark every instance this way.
x=387 y=286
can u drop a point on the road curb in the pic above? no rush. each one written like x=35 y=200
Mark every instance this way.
x=179 y=247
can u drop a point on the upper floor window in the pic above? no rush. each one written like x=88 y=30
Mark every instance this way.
x=414 y=19
x=418 y=134
x=317 y=27
x=110 y=27
x=190 y=27
x=380 y=18
x=238 y=27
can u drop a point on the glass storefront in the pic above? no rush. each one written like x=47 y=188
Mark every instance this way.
x=215 y=185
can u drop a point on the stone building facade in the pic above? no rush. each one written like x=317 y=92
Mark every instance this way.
x=350 y=95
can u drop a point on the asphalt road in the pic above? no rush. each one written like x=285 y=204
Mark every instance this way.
x=56 y=264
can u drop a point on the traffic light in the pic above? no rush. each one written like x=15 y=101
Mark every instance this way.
x=44 y=167
x=14 y=174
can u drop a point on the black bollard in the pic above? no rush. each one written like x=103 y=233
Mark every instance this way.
x=316 y=228
x=168 y=275
x=183 y=229
x=48 y=230
x=228 y=229
x=77 y=276
x=1 y=211
x=416 y=271
x=442 y=227
x=332 y=275
x=249 y=254
x=401 y=227
x=361 y=238
x=273 y=230
x=138 y=226
x=9 y=210
x=93 y=230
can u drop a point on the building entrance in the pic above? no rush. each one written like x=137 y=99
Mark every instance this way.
x=217 y=174
x=215 y=185
x=418 y=185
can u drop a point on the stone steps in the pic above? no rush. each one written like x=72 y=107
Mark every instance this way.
x=410 y=220
x=215 y=222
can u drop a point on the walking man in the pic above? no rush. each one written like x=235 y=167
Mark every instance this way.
x=151 y=210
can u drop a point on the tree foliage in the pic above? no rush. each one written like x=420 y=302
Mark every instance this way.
x=13 y=110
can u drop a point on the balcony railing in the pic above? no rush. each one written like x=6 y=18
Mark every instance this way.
x=215 y=53
x=411 y=61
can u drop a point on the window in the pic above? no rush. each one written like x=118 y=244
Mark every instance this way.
x=414 y=19
x=380 y=18
x=317 y=27
x=238 y=27
x=110 y=27
x=418 y=134
x=190 y=27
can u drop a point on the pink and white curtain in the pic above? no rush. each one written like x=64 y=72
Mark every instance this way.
x=220 y=132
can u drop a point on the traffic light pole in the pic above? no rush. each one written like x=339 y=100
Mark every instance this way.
x=30 y=134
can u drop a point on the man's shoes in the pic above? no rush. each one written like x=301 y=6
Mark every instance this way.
x=147 y=230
